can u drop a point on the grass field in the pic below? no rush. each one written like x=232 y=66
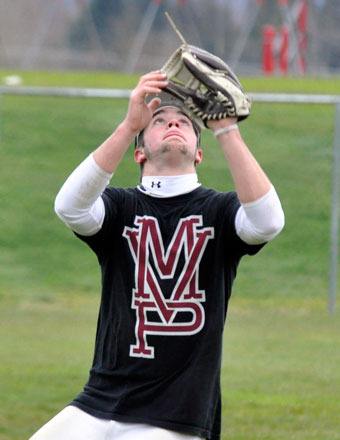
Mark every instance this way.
x=281 y=368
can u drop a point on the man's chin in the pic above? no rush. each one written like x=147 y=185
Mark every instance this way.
x=174 y=144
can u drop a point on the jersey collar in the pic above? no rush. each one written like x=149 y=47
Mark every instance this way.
x=168 y=186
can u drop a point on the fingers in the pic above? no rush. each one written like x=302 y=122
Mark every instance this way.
x=154 y=104
x=151 y=83
x=139 y=112
x=153 y=77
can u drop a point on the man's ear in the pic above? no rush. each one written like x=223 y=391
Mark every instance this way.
x=198 y=156
x=139 y=155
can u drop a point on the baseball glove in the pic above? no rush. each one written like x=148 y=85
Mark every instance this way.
x=206 y=85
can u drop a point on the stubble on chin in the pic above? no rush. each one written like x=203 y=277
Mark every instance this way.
x=167 y=147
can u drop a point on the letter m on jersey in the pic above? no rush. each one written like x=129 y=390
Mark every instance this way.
x=180 y=311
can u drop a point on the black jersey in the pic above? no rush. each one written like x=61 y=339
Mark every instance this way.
x=168 y=265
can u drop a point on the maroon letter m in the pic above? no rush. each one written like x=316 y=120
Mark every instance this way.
x=145 y=241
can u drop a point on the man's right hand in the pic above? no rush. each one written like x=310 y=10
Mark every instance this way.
x=139 y=112
x=109 y=154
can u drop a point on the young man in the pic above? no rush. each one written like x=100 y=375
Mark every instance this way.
x=168 y=251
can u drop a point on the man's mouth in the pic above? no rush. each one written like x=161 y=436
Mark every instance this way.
x=172 y=134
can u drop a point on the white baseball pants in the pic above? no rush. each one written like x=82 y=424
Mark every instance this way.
x=74 y=424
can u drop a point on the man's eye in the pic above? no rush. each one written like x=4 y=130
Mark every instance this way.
x=184 y=122
x=159 y=121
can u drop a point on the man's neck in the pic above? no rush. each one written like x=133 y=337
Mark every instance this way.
x=169 y=186
x=167 y=170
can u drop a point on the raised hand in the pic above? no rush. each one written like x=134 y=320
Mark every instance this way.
x=139 y=112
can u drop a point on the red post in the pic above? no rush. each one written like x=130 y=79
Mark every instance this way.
x=302 y=25
x=284 y=50
x=268 y=56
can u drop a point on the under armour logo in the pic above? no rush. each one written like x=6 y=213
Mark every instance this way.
x=157 y=184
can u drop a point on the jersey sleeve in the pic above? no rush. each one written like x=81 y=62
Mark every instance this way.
x=229 y=207
x=100 y=241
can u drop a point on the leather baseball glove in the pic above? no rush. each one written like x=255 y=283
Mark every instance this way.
x=206 y=85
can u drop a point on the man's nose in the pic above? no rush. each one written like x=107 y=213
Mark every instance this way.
x=173 y=122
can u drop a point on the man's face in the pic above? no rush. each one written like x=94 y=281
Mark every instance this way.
x=170 y=136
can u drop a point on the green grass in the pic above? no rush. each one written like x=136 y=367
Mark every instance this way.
x=73 y=79
x=277 y=84
x=281 y=359
x=280 y=372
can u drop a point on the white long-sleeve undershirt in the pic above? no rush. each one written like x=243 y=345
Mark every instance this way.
x=260 y=221
x=80 y=206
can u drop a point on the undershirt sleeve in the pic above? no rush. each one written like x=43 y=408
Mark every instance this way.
x=260 y=221
x=79 y=203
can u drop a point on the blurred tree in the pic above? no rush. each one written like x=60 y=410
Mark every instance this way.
x=102 y=13
x=101 y=20
x=110 y=28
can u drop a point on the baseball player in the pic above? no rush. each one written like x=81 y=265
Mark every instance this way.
x=168 y=251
